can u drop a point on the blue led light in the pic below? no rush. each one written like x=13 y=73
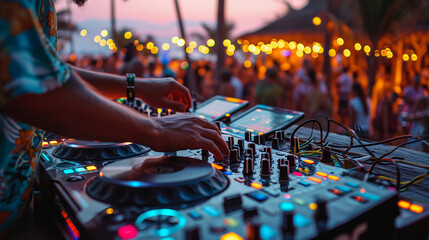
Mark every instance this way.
x=80 y=169
x=45 y=157
x=370 y=196
x=228 y=173
x=211 y=211
x=344 y=189
x=287 y=206
x=300 y=221
x=267 y=233
x=162 y=232
x=68 y=171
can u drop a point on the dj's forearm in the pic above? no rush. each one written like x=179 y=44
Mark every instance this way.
x=75 y=110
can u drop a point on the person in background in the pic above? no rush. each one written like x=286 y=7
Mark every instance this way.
x=235 y=81
x=132 y=62
x=344 y=86
x=359 y=114
x=226 y=88
x=317 y=105
x=268 y=91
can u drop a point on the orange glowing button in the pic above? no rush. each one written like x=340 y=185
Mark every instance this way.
x=313 y=206
x=362 y=190
x=234 y=100
x=260 y=133
x=322 y=174
x=218 y=167
x=256 y=185
x=227 y=115
x=53 y=142
x=315 y=179
x=45 y=144
x=404 y=204
x=416 y=208
x=308 y=161
x=334 y=178
x=231 y=236
x=109 y=211
x=91 y=168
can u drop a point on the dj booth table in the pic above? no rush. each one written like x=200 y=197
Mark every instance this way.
x=33 y=227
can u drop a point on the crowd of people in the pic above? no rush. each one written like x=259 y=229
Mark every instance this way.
x=388 y=112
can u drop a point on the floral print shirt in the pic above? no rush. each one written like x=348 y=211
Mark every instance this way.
x=29 y=64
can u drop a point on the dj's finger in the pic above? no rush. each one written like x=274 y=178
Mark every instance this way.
x=209 y=125
x=220 y=143
x=185 y=95
x=211 y=146
x=175 y=106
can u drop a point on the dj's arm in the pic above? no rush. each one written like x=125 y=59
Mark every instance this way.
x=157 y=92
x=77 y=111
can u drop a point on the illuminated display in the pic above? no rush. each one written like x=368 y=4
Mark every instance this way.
x=217 y=108
x=261 y=120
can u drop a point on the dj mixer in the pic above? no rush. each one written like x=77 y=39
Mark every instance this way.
x=97 y=190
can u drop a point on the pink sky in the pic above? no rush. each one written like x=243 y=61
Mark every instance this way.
x=248 y=15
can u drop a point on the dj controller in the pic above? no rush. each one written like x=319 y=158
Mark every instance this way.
x=98 y=190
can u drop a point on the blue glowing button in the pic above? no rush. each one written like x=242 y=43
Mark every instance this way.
x=81 y=169
x=228 y=173
x=68 y=171
x=45 y=158
x=300 y=221
x=370 y=196
x=211 y=211
x=266 y=232
x=258 y=196
x=287 y=206
x=304 y=183
x=344 y=189
x=351 y=184
x=194 y=215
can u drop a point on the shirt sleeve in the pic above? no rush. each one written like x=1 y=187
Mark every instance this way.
x=29 y=63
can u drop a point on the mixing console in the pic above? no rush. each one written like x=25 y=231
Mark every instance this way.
x=261 y=191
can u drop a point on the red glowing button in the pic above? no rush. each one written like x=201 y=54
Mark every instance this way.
x=231 y=236
x=315 y=179
x=404 y=204
x=322 y=174
x=416 y=208
x=362 y=190
x=127 y=232
x=333 y=178
x=298 y=174
x=287 y=196
x=256 y=185
x=218 y=167
x=308 y=161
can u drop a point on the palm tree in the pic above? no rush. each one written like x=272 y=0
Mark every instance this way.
x=381 y=18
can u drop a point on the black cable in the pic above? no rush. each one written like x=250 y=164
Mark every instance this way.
x=302 y=124
x=391 y=151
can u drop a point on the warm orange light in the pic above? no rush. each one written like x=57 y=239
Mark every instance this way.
x=322 y=174
x=91 y=168
x=308 y=161
x=53 y=142
x=416 y=208
x=256 y=185
x=404 y=204
x=109 y=211
x=218 y=167
x=313 y=206
x=317 y=21
x=231 y=236
x=315 y=179
x=234 y=100
x=362 y=190
x=260 y=133
x=334 y=178
x=45 y=144
x=101 y=174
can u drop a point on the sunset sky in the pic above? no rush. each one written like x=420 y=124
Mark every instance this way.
x=159 y=19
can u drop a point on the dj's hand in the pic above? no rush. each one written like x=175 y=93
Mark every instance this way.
x=164 y=93
x=185 y=131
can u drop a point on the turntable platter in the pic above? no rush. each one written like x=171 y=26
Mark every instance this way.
x=157 y=181
x=80 y=150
